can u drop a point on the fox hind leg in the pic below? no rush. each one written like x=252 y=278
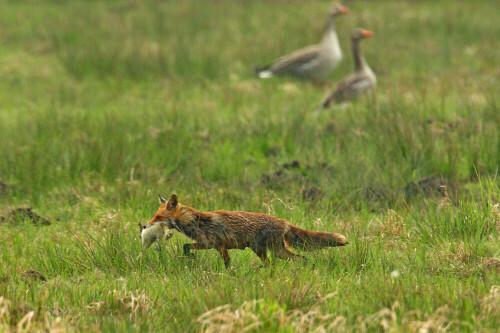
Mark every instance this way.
x=282 y=252
x=261 y=252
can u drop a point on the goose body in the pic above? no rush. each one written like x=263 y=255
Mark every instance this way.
x=314 y=62
x=362 y=80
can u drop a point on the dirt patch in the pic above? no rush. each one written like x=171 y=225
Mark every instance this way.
x=286 y=173
x=22 y=213
x=304 y=175
x=3 y=187
x=441 y=127
x=280 y=178
x=292 y=165
x=376 y=194
x=313 y=193
x=6 y=187
x=430 y=186
x=134 y=303
x=273 y=151
x=32 y=275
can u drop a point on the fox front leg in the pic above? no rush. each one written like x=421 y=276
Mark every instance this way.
x=187 y=251
x=225 y=256
x=195 y=246
x=158 y=245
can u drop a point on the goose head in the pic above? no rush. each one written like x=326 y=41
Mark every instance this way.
x=361 y=33
x=338 y=10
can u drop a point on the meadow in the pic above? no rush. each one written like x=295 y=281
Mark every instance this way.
x=104 y=104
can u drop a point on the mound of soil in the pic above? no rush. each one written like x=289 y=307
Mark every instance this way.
x=273 y=151
x=297 y=173
x=313 y=193
x=279 y=178
x=22 y=213
x=3 y=187
x=376 y=194
x=431 y=186
x=292 y=165
x=282 y=176
x=33 y=276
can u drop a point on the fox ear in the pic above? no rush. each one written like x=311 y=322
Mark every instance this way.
x=172 y=202
x=162 y=199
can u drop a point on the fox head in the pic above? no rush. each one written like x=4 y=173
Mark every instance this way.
x=168 y=212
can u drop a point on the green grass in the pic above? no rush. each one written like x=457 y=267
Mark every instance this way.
x=105 y=104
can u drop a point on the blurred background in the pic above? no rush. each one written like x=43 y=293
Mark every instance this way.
x=104 y=104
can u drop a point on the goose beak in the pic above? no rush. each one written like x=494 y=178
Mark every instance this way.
x=367 y=33
x=343 y=10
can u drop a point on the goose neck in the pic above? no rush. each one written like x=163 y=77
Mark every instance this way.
x=359 y=60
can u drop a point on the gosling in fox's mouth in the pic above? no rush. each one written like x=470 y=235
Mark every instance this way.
x=154 y=233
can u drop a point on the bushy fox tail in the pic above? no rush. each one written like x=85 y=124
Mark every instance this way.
x=311 y=240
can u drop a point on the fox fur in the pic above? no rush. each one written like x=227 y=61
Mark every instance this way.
x=224 y=230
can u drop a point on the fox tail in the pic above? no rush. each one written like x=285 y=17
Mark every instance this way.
x=311 y=240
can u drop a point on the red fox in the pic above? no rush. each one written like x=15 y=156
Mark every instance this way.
x=224 y=230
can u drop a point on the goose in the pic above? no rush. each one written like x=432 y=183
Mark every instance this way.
x=314 y=62
x=362 y=80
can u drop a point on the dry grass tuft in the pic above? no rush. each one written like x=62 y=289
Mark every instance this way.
x=388 y=320
x=257 y=315
x=5 y=306
x=496 y=215
x=436 y=322
x=132 y=303
x=225 y=318
x=492 y=264
x=393 y=225
x=30 y=321
x=490 y=304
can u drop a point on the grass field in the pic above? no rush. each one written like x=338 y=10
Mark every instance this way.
x=105 y=104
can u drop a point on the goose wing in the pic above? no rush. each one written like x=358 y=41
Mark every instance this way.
x=297 y=61
x=348 y=88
